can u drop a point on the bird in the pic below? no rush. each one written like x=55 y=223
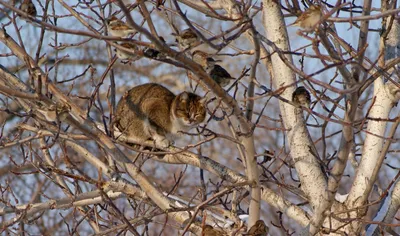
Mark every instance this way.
x=258 y=229
x=124 y=55
x=118 y=28
x=56 y=112
x=208 y=230
x=301 y=97
x=220 y=75
x=204 y=59
x=28 y=7
x=187 y=38
x=309 y=18
x=154 y=53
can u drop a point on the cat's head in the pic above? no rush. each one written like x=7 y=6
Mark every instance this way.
x=189 y=109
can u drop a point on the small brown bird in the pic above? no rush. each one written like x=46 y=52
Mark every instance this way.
x=204 y=59
x=309 y=18
x=220 y=75
x=187 y=38
x=118 y=28
x=28 y=7
x=258 y=229
x=123 y=55
x=154 y=53
x=301 y=97
x=56 y=112
x=210 y=231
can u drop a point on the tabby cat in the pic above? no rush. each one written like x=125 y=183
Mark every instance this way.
x=151 y=111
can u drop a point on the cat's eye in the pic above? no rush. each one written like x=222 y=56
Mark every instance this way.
x=181 y=110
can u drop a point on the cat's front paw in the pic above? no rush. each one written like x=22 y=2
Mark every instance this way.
x=162 y=142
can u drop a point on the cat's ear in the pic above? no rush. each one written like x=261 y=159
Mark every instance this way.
x=184 y=96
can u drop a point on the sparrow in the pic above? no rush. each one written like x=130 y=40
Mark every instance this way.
x=309 y=18
x=204 y=59
x=28 y=7
x=124 y=55
x=56 y=112
x=208 y=230
x=258 y=229
x=154 y=53
x=301 y=97
x=220 y=75
x=118 y=28
x=186 y=38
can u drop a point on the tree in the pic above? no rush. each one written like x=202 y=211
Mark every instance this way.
x=327 y=168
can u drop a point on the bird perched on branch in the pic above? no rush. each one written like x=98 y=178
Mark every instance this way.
x=258 y=229
x=309 y=18
x=130 y=56
x=204 y=59
x=56 y=112
x=187 y=38
x=28 y=7
x=118 y=28
x=220 y=75
x=154 y=53
x=301 y=97
x=210 y=231
x=216 y=72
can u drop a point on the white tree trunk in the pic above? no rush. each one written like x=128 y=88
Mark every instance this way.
x=386 y=95
x=387 y=210
x=301 y=146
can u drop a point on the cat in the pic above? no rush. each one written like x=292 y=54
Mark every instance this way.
x=151 y=111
